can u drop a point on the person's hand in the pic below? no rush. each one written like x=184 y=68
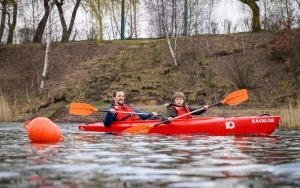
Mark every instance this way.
x=170 y=119
x=206 y=107
x=154 y=113
x=112 y=110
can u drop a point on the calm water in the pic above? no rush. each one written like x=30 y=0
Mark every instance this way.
x=107 y=160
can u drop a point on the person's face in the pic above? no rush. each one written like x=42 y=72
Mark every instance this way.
x=119 y=98
x=179 y=101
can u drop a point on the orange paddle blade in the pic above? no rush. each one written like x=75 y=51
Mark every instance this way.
x=139 y=129
x=236 y=97
x=82 y=109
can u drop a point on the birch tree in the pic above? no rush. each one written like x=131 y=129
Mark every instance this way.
x=48 y=50
x=164 y=19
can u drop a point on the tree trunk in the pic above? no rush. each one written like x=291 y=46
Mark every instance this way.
x=67 y=31
x=12 y=25
x=114 y=21
x=41 y=27
x=171 y=50
x=255 y=11
x=123 y=20
x=47 y=54
x=185 y=18
x=3 y=18
x=169 y=43
x=135 y=12
x=71 y=25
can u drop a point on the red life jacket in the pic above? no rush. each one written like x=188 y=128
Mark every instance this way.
x=123 y=116
x=182 y=110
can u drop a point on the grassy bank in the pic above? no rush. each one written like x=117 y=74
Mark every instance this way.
x=289 y=113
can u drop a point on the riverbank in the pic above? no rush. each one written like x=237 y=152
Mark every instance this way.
x=288 y=113
x=208 y=68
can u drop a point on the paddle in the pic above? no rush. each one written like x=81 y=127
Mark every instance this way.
x=84 y=109
x=233 y=98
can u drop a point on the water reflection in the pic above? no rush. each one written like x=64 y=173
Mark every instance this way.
x=108 y=160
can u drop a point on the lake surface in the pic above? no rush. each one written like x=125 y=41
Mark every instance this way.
x=107 y=160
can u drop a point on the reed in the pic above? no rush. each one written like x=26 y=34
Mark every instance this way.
x=289 y=115
x=5 y=110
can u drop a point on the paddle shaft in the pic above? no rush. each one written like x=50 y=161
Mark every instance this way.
x=124 y=112
x=233 y=98
x=166 y=121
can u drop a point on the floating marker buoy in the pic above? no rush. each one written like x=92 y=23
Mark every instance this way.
x=42 y=129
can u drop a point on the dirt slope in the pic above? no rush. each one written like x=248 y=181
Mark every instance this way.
x=210 y=66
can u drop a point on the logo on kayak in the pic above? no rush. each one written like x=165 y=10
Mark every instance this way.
x=263 y=120
x=229 y=125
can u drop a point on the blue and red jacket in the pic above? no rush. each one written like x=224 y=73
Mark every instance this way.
x=109 y=117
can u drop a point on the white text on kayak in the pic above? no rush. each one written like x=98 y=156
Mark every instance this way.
x=263 y=120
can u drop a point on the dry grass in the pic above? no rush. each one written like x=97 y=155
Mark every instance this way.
x=5 y=110
x=290 y=115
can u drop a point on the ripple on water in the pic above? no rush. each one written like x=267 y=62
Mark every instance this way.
x=105 y=160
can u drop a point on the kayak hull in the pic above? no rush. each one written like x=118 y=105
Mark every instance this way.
x=215 y=126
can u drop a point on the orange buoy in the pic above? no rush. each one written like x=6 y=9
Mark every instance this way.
x=42 y=129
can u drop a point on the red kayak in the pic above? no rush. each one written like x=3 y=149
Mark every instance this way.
x=214 y=126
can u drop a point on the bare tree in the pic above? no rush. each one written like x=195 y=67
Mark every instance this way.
x=164 y=19
x=3 y=17
x=34 y=9
x=199 y=12
x=42 y=24
x=255 y=14
x=27 y=11
x=165 y=14
x=12 y=24
x=279 y=12
x=114 y=9
x=66 y=31
x=289 y=12
x=133 y=10
x=298 y=4
x=25 y=35
x=99 y=8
